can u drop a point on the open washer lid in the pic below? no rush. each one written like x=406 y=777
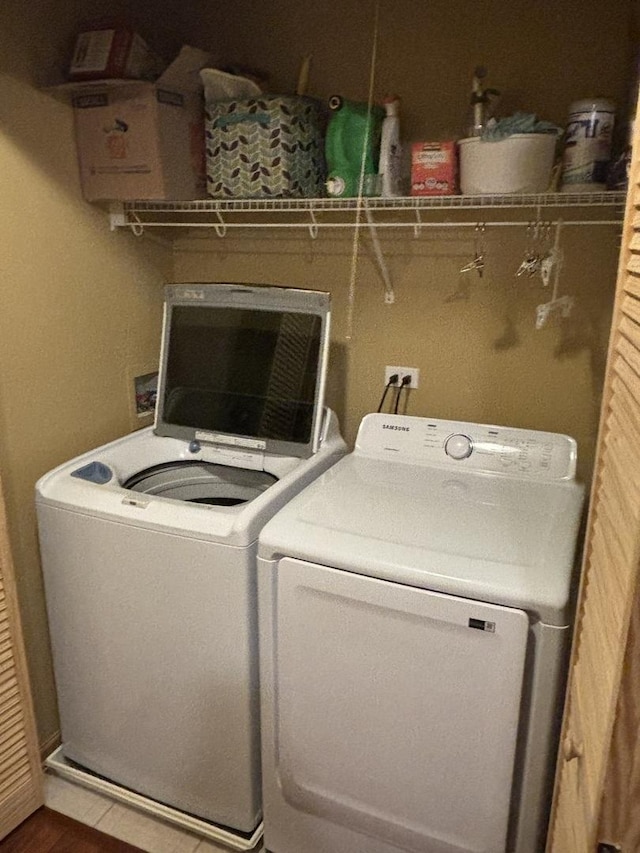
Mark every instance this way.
x=244 y=366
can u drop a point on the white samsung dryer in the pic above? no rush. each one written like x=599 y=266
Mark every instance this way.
x=149 y=552
x=414 y=607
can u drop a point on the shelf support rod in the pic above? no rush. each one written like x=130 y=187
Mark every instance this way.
x=313 y=226
x=389 y=295
x=418 y=224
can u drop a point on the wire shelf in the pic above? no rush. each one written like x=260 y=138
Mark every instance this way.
x=343 y=213
x=371 y=214
x=452 y=202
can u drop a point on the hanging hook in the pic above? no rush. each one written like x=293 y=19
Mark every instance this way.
x=480 y=232
x=529 y=263
x=564 y=304
x=221 y=227
x=137 y=227
x=548 y=237
x=549 y=254
x=477 y=263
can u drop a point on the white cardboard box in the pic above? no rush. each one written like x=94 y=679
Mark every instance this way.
x=140 y=140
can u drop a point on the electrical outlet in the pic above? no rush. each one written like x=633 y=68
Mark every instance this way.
x=413 y=372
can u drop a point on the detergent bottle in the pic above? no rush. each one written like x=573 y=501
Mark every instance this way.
x=352 y=142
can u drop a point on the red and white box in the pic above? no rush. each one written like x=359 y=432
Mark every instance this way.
x=111 y=51
x=434 y=168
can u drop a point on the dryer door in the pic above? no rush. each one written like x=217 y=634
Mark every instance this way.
x=396 y=709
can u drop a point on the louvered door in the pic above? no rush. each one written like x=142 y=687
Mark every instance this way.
x=620 y=815
x=20 y=771
x=610 y=566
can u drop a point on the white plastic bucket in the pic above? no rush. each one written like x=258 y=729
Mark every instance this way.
x=521 y=163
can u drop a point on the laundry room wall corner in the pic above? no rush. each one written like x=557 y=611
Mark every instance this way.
x=80 y=305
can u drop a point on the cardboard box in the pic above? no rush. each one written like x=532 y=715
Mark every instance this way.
x=139 y=140
x=434 y=168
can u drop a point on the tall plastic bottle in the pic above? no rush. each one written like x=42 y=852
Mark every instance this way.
x=481 y=105
x=390 y=150
x=588 y=140
x=353 y=135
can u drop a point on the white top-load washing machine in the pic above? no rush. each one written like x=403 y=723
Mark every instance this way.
x=414 y=610
x=149 y=546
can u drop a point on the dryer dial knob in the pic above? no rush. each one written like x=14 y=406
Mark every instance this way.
x=458 y=446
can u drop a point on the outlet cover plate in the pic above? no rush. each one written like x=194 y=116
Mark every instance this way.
x=414 y=372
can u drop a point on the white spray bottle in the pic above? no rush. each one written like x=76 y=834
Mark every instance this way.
x=390 y=149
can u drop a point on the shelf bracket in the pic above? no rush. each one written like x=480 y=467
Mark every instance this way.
x=117 y=218
x=389 y=295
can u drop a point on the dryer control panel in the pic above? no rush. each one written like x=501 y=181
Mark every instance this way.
x=468 y=446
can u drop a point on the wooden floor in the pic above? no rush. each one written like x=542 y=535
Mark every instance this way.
x=47 y=831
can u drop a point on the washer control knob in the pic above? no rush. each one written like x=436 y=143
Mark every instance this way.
x=458 y=446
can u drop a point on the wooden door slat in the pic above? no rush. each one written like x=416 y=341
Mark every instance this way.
x=20 y=768
x=607 y=629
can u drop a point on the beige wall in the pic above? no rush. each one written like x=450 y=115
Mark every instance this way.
x=474 y=340
x=480 y=357
x=540 y=55
x=80 y=309
x=81 y=305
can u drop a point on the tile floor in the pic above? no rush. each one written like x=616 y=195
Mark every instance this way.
x=121 y=821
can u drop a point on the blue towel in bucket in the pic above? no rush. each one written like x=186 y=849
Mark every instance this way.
x=519 y=122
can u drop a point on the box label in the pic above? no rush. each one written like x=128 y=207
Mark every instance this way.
x=434 y=168
x=94 y=99
x=92 y=51
x=174 y=99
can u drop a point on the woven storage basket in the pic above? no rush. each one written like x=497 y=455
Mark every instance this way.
x=265 y=147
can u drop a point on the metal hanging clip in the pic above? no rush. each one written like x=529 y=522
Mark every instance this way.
x=477 y=263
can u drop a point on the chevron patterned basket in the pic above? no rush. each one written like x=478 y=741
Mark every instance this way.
x=266 y=147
